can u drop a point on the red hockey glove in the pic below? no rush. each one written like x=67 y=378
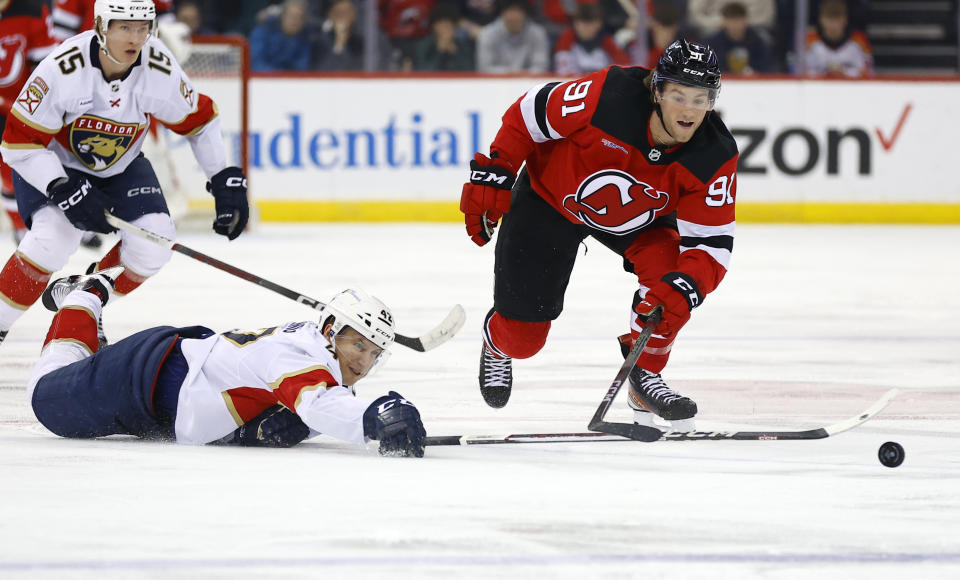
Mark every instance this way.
x=677 y=293
x=486 y=197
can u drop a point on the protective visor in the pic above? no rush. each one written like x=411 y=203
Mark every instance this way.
x=682 y=95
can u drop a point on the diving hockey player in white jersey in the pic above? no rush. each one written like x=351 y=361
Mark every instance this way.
x=269 y=387
x=73 y=139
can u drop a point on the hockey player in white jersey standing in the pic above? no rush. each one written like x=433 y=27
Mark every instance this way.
x=73 y=139
x=270 y=387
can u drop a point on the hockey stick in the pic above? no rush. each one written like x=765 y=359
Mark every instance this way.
x=818 y=433
x=628 y=430
x=432 y=339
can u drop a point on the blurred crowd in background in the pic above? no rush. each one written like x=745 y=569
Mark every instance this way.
x=568 y=37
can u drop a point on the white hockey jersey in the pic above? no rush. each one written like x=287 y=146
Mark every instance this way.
x=235 y=375
x=69 y=115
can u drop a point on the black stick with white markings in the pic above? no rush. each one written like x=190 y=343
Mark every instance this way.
x=770 y=435
x=628 y=430
x=437 y=336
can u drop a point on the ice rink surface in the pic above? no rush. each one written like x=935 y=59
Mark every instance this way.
x=811 y=325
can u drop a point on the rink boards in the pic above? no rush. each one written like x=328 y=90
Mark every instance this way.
x=394 y=148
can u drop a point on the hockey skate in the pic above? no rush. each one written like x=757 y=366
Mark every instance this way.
x=496 y=378
x=3 y=334
x=100 y=283
x=649 y=396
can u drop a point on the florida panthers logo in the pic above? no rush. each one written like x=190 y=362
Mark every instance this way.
x=99 y=143
x=615 y=202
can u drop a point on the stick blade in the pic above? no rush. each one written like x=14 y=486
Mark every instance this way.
x=628 y=430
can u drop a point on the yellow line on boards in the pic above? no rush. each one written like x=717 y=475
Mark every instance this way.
x=448 y=211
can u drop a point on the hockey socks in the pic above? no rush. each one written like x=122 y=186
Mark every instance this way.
x=514 y=338
x=128 y=281
x=76 y=321
x=21 y=283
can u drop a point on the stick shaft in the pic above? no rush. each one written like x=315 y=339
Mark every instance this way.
x=596 y=423
x=414 y=343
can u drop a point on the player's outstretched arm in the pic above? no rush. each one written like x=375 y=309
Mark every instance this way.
x=395 y=423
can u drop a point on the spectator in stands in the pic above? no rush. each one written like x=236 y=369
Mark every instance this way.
x=341 y=47
x=585 y=47
x=444 y=50
x=663 y=27
x=405 y=22
x=835 y=50
x=706 y=16
x=282 y=42
x=513 y=42
x=557 y=16
x=741 y=48
x=475 y=14
x=190 y=14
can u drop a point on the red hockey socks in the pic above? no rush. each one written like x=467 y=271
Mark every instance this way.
x=655 y=354
x=22 y=282
x=77 y=324
x=513 y=338
x=128 y=281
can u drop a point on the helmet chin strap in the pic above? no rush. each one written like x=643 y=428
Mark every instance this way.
x=663 y=124
x=104 y=50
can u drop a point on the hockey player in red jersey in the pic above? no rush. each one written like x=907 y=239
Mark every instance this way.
x=270 y=387
x=73 y=139
x=25 y=40
x=633 y=158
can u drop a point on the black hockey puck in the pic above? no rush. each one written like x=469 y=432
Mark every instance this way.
x=891 y=454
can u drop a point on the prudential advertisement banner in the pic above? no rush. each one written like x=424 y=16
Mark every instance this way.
x=841 y=148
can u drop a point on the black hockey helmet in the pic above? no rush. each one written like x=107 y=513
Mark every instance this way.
x=691 y=64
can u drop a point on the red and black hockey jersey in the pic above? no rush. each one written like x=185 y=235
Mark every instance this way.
x=25 y=40
x=590 y=154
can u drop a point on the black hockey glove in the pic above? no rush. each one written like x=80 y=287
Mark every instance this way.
x=229 y=189
x=395 y=422
x=278 y=426
x=82 y=203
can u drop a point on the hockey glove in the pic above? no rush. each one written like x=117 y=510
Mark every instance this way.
x=395 y=422
x=677 y=293
x=82 y=203
x=486 y=197
x=278 y=426
x=229 y=189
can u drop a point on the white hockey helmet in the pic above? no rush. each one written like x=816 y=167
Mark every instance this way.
x=106 y=10
x=364 y=313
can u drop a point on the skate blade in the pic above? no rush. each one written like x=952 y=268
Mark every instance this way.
x=648 y=419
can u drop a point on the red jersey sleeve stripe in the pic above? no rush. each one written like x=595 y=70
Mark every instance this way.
x=20 y=133
x=195 y=121
x=245 y=403
x=290 y=388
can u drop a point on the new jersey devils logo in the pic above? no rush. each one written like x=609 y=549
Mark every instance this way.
x=12 y=49
x=615 y=202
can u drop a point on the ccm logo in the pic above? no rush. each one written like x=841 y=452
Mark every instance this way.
x=681 y=285
x=693 y=72
x=236 y=182
x=484 y=177
x=76 y=197
x=143 y=191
